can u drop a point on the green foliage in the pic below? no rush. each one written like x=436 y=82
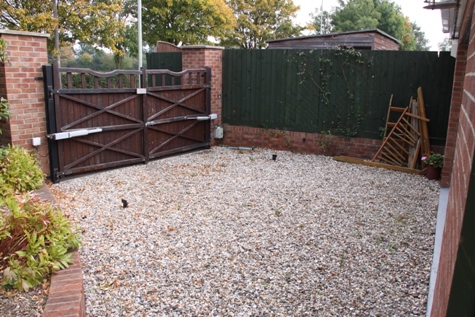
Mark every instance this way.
x=321 y=22
x=19 y=171
x=187 y=22
x=353 y=15
x=4 y=109
x=34 y=240
x=435 y=159
x=4 y=105
x=419 y=36
x=94 y=22
x=327 y=143
x=259 y=21
x=343 y=117
x=86 y=56
x=3 y=51
x=445 y=45
x=127 y=47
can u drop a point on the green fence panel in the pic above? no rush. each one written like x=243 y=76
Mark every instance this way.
x=344 y=92
x=164 y=60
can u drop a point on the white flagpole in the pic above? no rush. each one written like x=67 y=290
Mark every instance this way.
x=139 y=15
x=321 y=18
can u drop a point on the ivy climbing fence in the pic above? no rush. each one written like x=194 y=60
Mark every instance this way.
x=339 y=91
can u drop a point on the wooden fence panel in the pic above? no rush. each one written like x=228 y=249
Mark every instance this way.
x=333 y=90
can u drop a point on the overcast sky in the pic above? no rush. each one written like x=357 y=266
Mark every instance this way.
x=429 y=20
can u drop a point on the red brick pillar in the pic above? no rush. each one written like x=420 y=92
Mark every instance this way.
x=208 y=56
x=457 y=94
x=22 y=86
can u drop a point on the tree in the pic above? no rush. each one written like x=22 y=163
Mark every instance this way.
x=352 y=15
x=261 y=20
x=446 y=45
x=392 y=20
x=420 y=37
x=408 y=38
x=128 y=45
x=322 y=20
x=185 y=21
x=355 y=15
x=92 y=21
x=87 y=56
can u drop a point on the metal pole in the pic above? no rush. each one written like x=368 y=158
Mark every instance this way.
x=56 y=34
x=321 y=18
x=139 y=15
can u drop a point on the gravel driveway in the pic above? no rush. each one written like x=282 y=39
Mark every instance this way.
x=224 y=232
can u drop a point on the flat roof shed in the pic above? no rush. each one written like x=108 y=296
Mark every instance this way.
x=372 y=39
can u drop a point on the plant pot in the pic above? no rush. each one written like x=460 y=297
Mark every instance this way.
x=433 y=172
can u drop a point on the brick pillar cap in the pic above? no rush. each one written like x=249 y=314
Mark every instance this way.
x=202 y=46
x=25 y=33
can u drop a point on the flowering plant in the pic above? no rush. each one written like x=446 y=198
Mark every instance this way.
x=436 y=160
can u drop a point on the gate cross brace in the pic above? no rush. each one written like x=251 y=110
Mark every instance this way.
x=179 y=134
x=103 y=148
x=174 y=103
x=101 y=110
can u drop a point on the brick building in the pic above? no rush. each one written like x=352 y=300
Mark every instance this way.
x=453 y=292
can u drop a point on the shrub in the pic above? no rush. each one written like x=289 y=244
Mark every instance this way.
x=435 y=159
x=327 y=143
x=19 y=171
x=4 y=109
x=34 y=240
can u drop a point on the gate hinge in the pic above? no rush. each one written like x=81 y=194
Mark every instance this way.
x=58 y=174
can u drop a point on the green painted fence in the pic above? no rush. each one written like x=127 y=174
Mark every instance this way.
x=164 y=60
x=342 y=91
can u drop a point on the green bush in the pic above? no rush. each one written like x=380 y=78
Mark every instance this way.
x=20 y=172
x=34 y=240
x=4 y=109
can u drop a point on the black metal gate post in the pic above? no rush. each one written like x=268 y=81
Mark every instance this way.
x=50 y=121
x=208 y=105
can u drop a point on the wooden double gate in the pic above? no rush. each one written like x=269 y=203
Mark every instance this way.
x=106 y=120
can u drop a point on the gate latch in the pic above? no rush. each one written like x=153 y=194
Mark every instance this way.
x=73 y=133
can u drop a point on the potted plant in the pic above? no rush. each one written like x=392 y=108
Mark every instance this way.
x=434 y=162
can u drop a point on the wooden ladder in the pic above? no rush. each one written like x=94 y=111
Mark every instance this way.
x=402 y=144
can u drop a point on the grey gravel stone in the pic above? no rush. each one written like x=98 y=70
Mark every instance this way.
x=223 y=232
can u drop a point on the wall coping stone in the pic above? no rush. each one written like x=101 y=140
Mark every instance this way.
x=24 y=33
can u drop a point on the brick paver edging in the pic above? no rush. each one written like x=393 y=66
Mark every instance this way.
x=66 y=292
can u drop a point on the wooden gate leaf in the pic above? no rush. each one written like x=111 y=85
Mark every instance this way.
x=127 y=125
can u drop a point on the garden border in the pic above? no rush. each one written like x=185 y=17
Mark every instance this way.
x=66 y=293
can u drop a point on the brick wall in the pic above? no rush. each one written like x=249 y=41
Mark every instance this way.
x=457 y=93
x=208 y=56
x=463 y=153
x=27 y=53
x=303 y=142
